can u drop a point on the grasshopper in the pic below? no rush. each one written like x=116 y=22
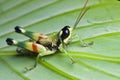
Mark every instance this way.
x=42 y=44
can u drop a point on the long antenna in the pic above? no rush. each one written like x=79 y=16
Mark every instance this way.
x=81 y=14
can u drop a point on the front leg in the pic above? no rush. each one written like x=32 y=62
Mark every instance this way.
x=62 y=49
x=82 y=43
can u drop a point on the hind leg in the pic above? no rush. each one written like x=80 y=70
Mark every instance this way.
x=23 y=51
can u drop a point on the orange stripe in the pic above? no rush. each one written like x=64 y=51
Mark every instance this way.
x=34 y=47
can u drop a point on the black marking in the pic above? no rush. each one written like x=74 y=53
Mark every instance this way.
x=58 y=42
x=18 y=29
x=38 y=42
x=9 y=41
x=49 y=46
x=65 y=34
x=55 y=47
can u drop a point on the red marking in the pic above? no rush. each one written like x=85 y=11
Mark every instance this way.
x=34 y=47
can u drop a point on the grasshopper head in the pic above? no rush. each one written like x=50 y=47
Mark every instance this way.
x=64 y=35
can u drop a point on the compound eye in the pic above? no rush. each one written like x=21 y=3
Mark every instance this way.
x=66 y=27
x=65 y=32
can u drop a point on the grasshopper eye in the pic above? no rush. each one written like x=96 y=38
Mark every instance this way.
x=64 y=35
x=65 y=32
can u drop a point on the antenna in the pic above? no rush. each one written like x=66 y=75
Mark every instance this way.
x=80 y=14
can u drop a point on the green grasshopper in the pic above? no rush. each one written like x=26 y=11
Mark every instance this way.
x=43 y=45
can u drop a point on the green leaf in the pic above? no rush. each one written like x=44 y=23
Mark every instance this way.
x=100 y=24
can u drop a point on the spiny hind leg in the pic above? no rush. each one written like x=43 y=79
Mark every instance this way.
x=23 y=51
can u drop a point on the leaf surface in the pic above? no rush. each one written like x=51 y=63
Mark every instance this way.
x=100 y=24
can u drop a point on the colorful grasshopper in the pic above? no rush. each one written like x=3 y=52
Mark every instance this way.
x=45 y=45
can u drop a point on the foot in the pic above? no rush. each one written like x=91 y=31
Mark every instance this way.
x=29 y=68
x=73 y=61
x=91 y=43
